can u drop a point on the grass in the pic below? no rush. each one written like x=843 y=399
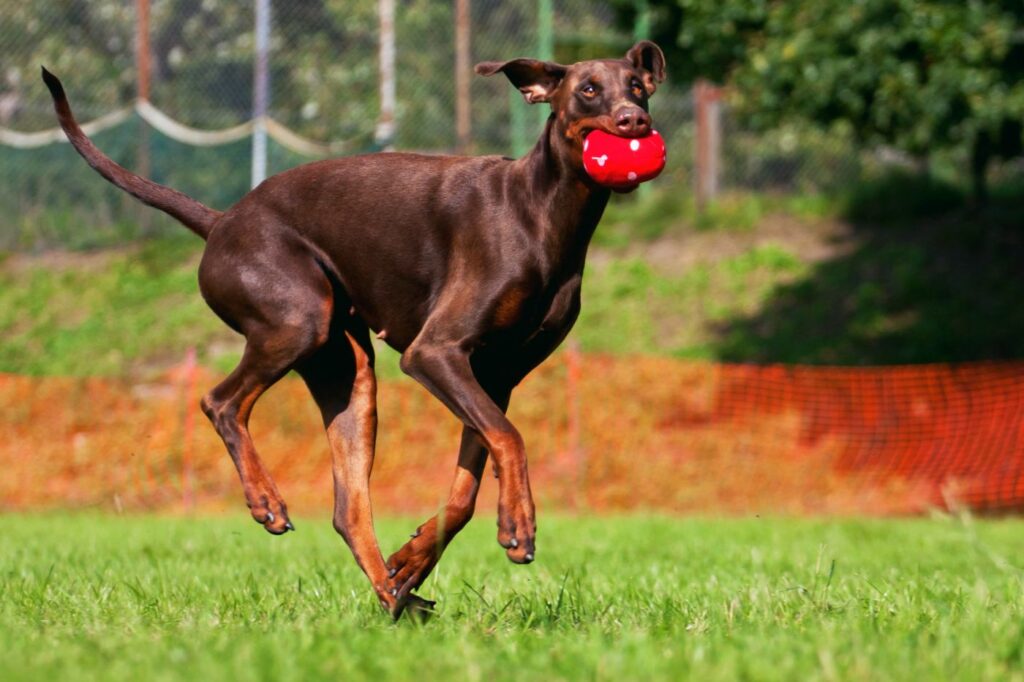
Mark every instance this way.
x=91 y=597
x=129 y=307
x=630 y=306
x=637 y=219
x=895 y=271
x=140 y=308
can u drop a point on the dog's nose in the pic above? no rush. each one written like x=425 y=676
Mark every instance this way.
x=633 y=121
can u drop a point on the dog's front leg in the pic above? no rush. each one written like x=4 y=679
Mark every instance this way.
x=413 y=562
x=444 y=369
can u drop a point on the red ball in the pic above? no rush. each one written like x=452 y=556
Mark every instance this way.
x=623 y=162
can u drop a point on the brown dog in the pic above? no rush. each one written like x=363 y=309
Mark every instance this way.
x=470 y=267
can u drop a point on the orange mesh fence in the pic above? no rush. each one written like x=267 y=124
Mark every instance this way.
x=602 y=433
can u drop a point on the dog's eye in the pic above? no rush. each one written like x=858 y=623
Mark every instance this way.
x=638 y=89
x=588 y=90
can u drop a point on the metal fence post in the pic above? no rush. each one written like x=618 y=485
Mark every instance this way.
x=384 y=134
x=641 y=31
x=261 y=92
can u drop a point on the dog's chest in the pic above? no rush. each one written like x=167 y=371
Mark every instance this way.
x=520 y=313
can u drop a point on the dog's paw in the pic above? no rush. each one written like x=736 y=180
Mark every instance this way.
x=414 y=607
x=517 y=531
x=272 y=514
x=410 y=565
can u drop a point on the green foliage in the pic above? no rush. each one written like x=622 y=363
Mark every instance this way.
x=116 y=598
x=903 y=292
x=901 y=196
x=915 y=74
x=920 y=75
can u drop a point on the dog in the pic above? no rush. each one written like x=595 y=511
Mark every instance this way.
x=470 y=267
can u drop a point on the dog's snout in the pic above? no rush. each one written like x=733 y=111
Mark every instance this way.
x=632 y=121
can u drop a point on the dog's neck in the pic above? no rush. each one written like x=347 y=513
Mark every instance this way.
x=573 y=204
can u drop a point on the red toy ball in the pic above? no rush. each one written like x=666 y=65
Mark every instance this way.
x=622 y=163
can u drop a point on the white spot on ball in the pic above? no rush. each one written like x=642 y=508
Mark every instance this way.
x=631 y=176
x=586 y=143
x=634 y=144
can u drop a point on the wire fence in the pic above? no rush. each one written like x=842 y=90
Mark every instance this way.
x=688 y=436
x=178 y=78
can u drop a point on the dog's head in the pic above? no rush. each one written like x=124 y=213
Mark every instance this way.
x=598 y=94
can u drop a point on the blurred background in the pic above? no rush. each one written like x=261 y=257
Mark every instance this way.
x=815 y=309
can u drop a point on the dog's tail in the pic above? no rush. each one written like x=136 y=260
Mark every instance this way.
x=194 y=215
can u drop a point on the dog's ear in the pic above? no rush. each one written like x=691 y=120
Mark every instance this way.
x=537 y=80
x=648 y=57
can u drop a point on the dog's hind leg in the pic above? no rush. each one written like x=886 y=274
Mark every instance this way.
x=285 y=313
x=341 y=378
x=229 y=405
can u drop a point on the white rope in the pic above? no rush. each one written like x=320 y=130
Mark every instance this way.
x=186 y=134
x=13 y=138
x=291 y=140
x=180 y=132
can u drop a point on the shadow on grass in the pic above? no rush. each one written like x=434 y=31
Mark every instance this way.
x=929 y=280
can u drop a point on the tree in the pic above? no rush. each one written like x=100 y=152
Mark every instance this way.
x=919 y=75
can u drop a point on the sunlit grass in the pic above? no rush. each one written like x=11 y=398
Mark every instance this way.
x=97 y=597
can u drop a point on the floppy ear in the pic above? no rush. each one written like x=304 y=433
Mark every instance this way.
x=649 y=57
x=537 y=80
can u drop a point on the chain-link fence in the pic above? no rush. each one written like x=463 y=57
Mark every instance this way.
x=325 y=87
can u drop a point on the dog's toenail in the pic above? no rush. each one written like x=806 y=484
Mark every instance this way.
x=392 y=572
x=289 y=526
x=529 y=557
x=270 y=517
x=394 y=591
x=515 y=543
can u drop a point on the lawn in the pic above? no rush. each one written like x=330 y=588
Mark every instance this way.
x=101 y=597
x=754 y=279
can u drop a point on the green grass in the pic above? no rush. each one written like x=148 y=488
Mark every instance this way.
x=892 y=288
x=630 y=306
x=131 y=307
x=647 y=216
x=141 y=308
x=95 y=597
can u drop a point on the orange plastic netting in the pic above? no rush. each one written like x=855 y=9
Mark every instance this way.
x=602 y=433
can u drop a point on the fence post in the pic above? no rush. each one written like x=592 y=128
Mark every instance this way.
x=142 y=56
x=463 y=119
x=143 y=165
x=574 y=430
x=545 y=44
x=708 y=143
x=642 y=31
x=188 y=430
x=642 y=22
x=261 y=92
x=384 y=135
